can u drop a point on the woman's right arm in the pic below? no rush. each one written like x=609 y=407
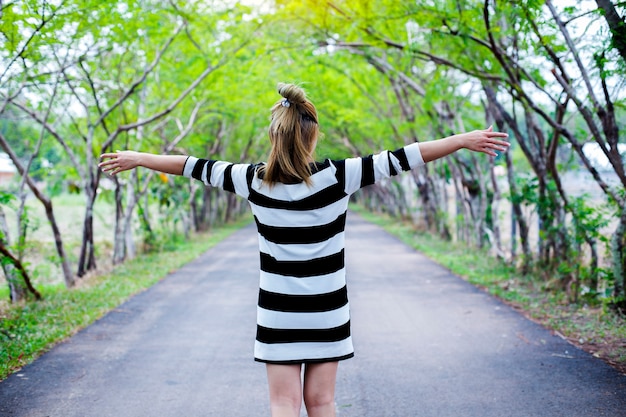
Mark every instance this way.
x=485 y=141
x=361 y=172
x=120 y=161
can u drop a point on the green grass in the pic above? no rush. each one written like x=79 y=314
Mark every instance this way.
x=597 y=330
x=31 y=328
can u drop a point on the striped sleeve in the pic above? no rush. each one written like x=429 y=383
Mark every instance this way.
x=361 y=172
x=226 y=175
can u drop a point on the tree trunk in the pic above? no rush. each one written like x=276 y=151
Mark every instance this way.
x=124 y=247
x=616 y=24
x=495 y=214
x=518 y=214
x=17 y=291
x=231 y=203
x=129 y=239
x=87 y=259
x=47 y=203
x=482 y=201
x=425 y=185
x=206 y=210
x=593 y=266
x=149 y=237
x=18 y=279
x=193 y=207
x=461 y=211
x=502 y=118
x=618 y=254
x=119 y=236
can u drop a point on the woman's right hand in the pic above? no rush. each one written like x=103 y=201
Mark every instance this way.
x=485 y=141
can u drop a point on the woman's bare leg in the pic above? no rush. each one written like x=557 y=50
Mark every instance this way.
x=285 y=390
x=319 y=389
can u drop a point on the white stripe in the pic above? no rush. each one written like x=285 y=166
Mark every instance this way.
x=203 y=175
x=294 y=192
x=381 y=166
x=217 y=173
x=414 y=155
x=354 y=173
x=302 y=351
x=287 y=320
x=297 y=252
x=295 y=218
x=240 y=181
x=190 y=163
x=320 y=284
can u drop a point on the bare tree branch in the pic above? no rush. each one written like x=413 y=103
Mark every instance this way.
x=143 y=77
x=184 y=132
x=172 y=106
x=18 y=264
x=54 y=133
x=32 y=36
x=570 y=43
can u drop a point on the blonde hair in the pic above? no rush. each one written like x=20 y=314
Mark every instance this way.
x=293 y=132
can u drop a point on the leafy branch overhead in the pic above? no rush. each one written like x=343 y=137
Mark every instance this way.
x=78 y=78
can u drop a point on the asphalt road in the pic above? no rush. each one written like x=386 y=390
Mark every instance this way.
x=427 y=344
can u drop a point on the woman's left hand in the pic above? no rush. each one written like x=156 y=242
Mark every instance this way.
x=120 y=161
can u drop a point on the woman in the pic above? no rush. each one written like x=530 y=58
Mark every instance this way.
x=300 y=206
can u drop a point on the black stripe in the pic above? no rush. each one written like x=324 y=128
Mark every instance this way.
x=335 y=334
x=228 y=179
x=311 y=234
x=197 y=169
x=303 y=303
x=250 y=174
x=340 y=172
x=404 y=161
x=392 y=169
x=301 y=269
x=320 y=166
x=300 y=361
x=315 y=201
x=209 y=170
x=367 y=171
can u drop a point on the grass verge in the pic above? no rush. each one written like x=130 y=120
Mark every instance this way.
x=31 y=328
x=596 y=330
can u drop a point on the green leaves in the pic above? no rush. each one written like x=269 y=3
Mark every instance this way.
x=382 y=73
x=6 y=198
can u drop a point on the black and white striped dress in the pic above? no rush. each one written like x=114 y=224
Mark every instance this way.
x=303 y=314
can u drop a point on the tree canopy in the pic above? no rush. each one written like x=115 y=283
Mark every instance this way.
x=79 y=78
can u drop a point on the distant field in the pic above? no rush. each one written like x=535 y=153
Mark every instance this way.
x=69 y=210
x=575 y=184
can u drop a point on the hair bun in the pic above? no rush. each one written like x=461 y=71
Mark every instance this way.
x=292 y=92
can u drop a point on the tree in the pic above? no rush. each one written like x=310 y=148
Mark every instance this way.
x=83 y=76
x=616 y=24
x=497 y=45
